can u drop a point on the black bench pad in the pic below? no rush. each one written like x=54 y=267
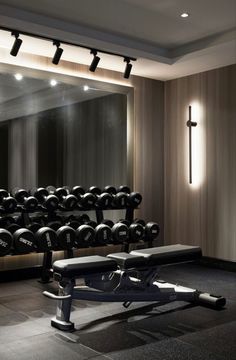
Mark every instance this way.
x=85 y=265
x=128 y=261
x=169 y=254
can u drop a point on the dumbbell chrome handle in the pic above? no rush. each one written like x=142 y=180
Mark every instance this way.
x=56 y=297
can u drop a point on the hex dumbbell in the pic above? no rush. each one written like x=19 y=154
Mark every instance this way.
x=22 y=196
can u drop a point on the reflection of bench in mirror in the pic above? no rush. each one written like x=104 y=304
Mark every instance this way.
x=126 y=278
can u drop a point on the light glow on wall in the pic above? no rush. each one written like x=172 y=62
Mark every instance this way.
x=198 y=145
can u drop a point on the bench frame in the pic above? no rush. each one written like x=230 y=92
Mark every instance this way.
x=126 y=286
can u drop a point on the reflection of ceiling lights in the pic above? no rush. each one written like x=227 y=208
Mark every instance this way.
x=85 y=87
x=184 y=15
x=18 y=77
x=53 y=82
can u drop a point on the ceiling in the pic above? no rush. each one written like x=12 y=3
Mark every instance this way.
x=166 y=45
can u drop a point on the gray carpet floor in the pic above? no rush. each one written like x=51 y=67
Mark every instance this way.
x=173 y=331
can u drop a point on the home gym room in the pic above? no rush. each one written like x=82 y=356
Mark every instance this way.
x=118 y=180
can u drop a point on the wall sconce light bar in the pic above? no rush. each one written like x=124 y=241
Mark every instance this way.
x=190 y=124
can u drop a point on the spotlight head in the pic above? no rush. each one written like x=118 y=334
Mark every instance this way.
x=95 y=61
x=127 y=68
x=58 y=53
x=17 y=44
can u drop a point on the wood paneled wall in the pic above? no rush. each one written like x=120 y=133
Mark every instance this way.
x=203 y=213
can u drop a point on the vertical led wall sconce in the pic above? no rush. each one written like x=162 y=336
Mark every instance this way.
x=190 y=124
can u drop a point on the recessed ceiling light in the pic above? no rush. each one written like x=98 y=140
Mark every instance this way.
x=18 y=77
x=86 y=87
x=184 y=15
x=53 y=82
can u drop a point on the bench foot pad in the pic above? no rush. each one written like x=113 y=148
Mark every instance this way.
x=62 y=325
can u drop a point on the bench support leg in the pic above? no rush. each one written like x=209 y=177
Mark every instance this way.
x=62 y=319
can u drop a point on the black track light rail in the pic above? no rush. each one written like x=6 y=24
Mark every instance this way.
x=43 y=37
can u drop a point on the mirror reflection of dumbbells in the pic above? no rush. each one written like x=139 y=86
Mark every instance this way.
x=7 y=203
x=123 y=197
x=139 y=230
x=47 y=201
x=23 y=197
x=67 y=201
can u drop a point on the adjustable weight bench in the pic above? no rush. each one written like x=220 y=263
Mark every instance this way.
x=123 y=277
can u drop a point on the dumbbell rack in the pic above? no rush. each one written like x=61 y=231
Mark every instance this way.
x=47 y=257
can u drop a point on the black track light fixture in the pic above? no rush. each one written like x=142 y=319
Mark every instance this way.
x=17 y=43
x=127 y=68
x=95 y=60
x=58 y=53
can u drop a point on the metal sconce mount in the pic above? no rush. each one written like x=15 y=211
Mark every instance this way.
x=190 y=124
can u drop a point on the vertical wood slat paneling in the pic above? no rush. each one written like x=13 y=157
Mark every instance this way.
x=204 y=215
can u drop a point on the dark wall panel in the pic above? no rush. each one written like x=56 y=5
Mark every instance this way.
x=4 y=155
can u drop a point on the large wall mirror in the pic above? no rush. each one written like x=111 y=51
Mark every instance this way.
x=61 y=130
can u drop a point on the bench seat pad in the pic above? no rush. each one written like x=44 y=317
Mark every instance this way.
x=169 y=254
x=128 y=261
x=85 y=265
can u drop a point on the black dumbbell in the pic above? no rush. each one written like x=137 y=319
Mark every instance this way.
x=67 y=201
x=45 y=237
x=151 y=229
x=23 y=239
x=86 y=200
x=85 y=236
x=103 y=199
x=8 y=203
x=85 y=220
x=110 y=189
x=53 y=221
x=49 y=201
x=66 y=237
x=120 y=231
x=120 y=200
x=6 y=242
x=124 y=188
x=103 y=235
x=29 y=202
x=72 y=221
x=134 y=199
x=136 y=231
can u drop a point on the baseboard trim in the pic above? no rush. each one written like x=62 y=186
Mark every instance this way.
x=20 y=274
x=218 y=263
